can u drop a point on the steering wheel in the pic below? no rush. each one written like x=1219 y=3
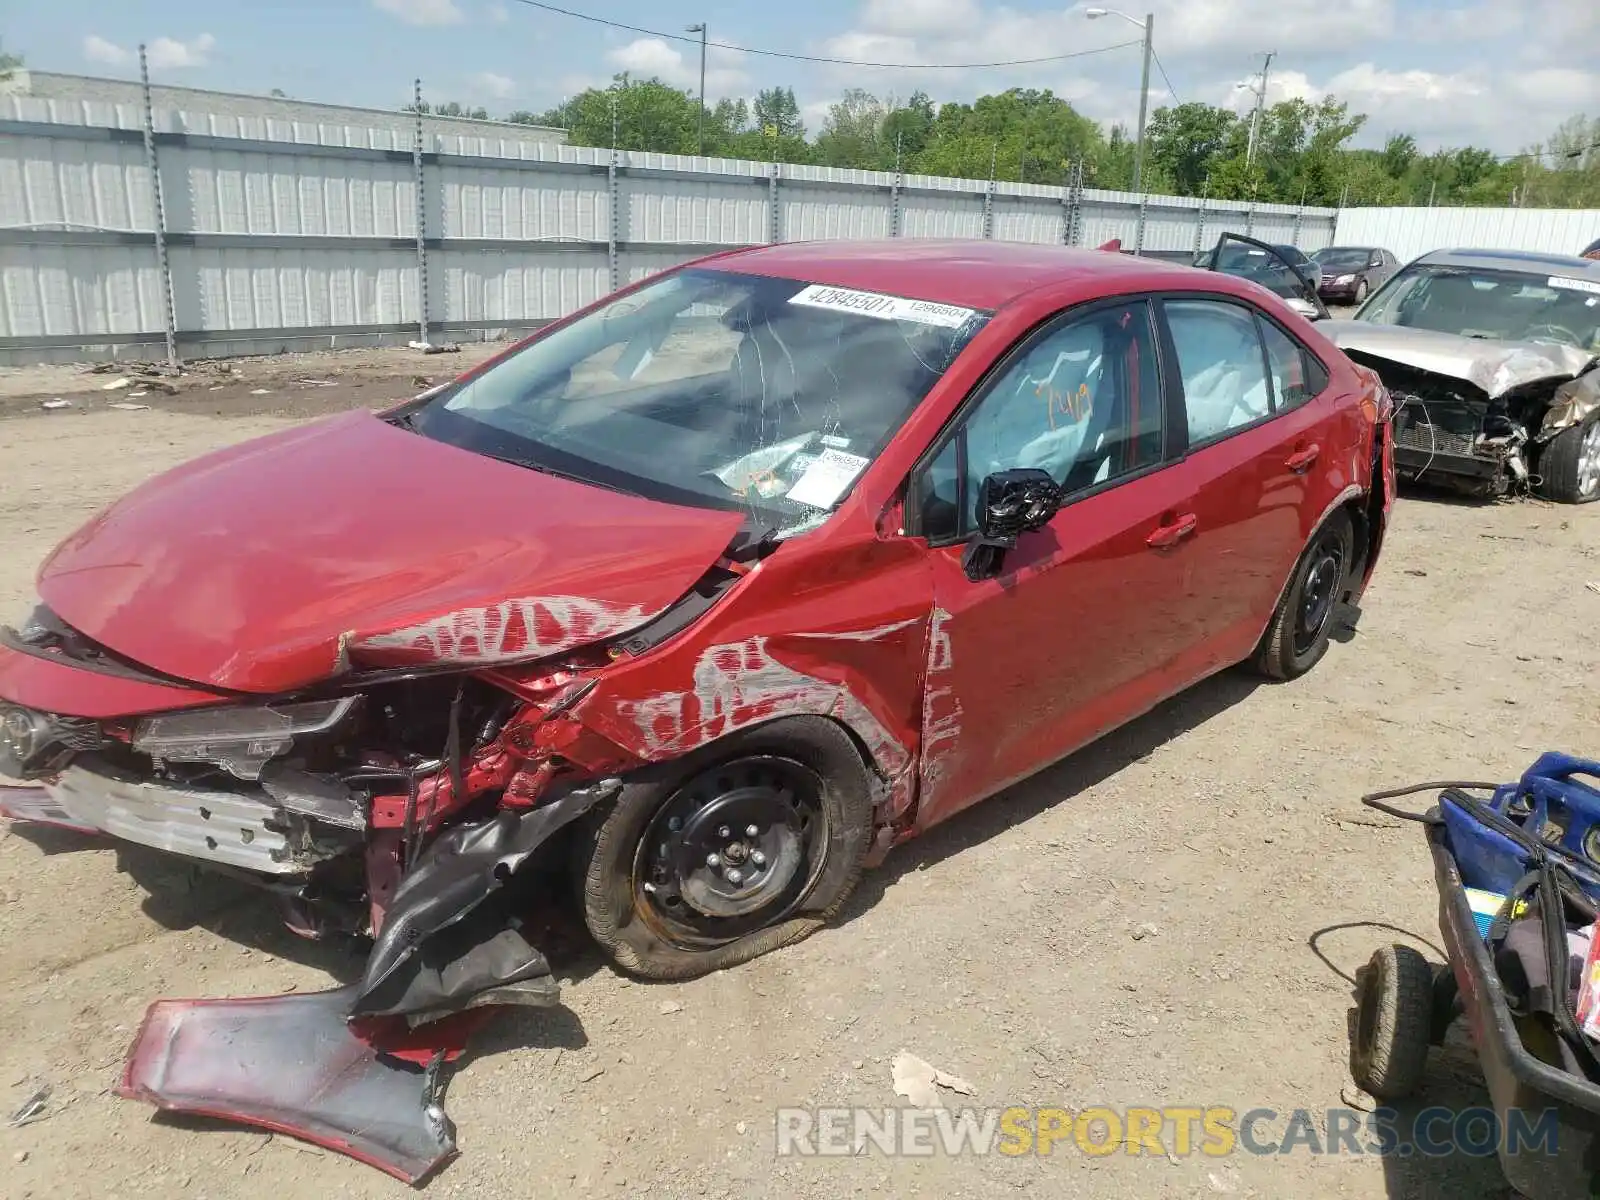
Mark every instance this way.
x=1563 y=334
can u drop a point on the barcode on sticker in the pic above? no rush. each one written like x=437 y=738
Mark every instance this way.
x=886 y=308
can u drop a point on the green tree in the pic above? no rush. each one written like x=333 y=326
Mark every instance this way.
x=10 y=64
x=777 y=113
x=1184 y=142
x=453 y=108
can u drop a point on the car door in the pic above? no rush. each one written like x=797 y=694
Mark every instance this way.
x=1258 y=421
x=1249 y=258
x=1079 y=630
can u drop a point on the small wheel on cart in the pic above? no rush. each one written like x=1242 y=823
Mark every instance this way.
x=1394 y=1023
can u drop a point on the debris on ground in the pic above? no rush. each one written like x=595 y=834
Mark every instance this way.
x=435 y=348
x=668 y=1007
x=1147 y=930
x=56 y=403
x=32 y=1109
x=116 y=384
x=125 y=407
x=919 y=1081
x=261 y=391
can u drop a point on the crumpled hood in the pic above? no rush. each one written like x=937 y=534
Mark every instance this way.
x=349 y=542
x=1494 y=367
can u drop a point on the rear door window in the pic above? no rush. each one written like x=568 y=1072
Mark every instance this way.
x=1222 y=365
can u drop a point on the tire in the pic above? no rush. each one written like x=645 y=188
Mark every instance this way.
x=1394 y=1019
x=1361 y=291
x=1569 y=464
x=1297 y=636
x=649 y=893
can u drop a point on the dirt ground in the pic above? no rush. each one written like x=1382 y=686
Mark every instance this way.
x=1169 y=918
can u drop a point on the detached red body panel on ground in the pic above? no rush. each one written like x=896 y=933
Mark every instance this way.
x=294 y=1064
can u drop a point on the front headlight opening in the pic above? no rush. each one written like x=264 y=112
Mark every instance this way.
x=240 y=739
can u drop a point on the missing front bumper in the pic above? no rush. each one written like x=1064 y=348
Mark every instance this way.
x=229 y=828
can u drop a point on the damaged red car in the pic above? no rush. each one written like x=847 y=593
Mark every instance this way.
x=735 y=578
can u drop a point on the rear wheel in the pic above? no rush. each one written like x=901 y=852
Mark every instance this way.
x=1361 y=290
x=741 y=848
x=1569 y=465
x=1297 y=636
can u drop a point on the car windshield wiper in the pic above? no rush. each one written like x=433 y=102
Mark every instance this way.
x=545 y=469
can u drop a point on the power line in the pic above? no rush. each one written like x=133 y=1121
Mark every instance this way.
x=815 y=58
x=1171 y=91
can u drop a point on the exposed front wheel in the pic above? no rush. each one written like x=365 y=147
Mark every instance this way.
x=1569 y=464
x=1361 y=291
x=1297 y=636
x=748 y=845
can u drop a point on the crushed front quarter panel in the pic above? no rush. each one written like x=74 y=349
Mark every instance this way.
x=798 y=635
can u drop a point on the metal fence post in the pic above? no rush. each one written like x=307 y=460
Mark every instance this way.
x=894 y=202
x=1200 y=226
x=422 y=215
x=988 y=210
x=163 y=265
x=1072 y=200
x=1299 y=214
x=1138 y=233
x=773 y=215
x=614 y=226
x=1250 y=219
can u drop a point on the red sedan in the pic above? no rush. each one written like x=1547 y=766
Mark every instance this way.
x=738 y=577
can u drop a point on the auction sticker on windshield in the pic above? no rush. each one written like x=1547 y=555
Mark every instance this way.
x=888 y=308
x=827 y=478
x=1574 y=285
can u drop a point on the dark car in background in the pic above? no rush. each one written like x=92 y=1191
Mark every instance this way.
x=1350 y=273
x=1592 y=250
x=1282 y=269
x=1493 y=359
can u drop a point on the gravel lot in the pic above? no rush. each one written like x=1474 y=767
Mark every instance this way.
x=1136 y=926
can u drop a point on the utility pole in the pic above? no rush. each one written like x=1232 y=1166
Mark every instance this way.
x=701 y=30
x=1261 y=98
x=1144 y=103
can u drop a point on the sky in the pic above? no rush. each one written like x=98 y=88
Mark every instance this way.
x=1494 y=73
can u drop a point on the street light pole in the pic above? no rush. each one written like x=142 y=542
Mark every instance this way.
x=1148 y=25
x=1144 y=103
x=701 y=30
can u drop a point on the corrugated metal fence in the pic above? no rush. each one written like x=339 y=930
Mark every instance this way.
x=281 y=235
x=273 y=234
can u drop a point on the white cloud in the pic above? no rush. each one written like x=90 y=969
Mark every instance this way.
x=168 y=53
x=499 y=14
x=164 y=53
x=97 y=49
x=647 y=57
x=501 y=87
x=422 y=12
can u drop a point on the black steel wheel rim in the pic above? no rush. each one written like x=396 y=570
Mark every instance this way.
x=734 y=849
x=1319 y=592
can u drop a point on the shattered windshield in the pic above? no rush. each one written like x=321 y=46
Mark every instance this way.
x=1520 y=306
x=714 y=388
x=1341 y=258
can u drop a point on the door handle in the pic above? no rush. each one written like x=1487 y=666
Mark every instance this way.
x=1172 y=531
x=1301 y=460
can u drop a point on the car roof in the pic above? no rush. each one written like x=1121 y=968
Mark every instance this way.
x=1513 y=260
x=975 y=274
